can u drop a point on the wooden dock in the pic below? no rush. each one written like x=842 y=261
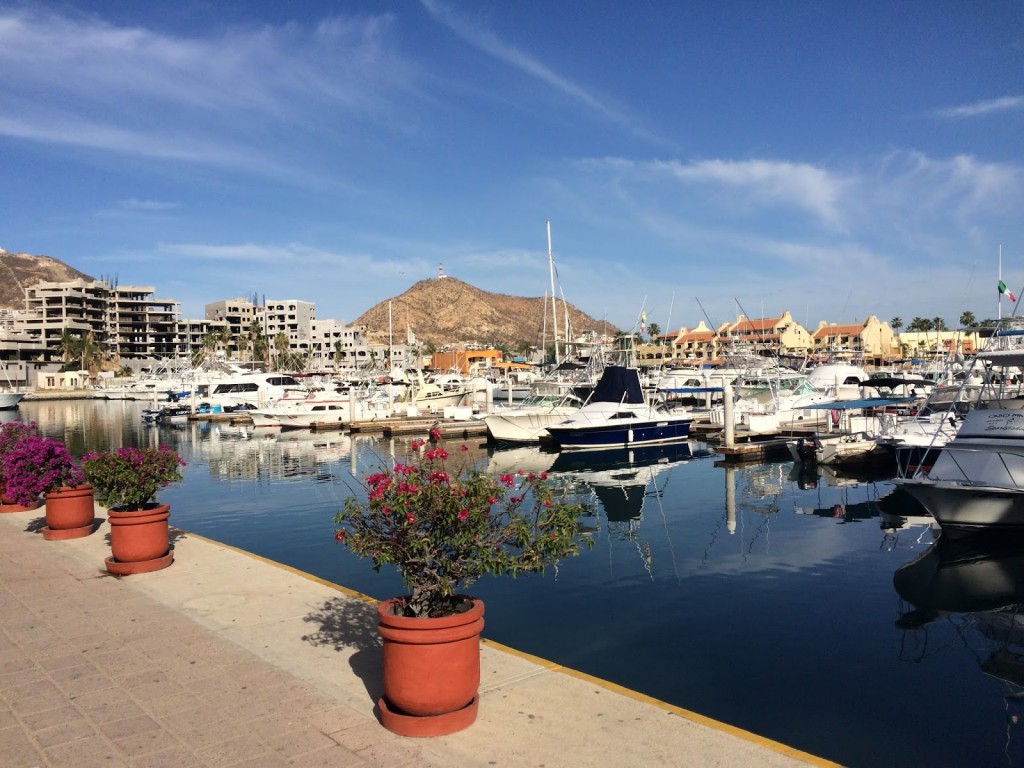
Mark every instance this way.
x=394 y=427
x=746 y=446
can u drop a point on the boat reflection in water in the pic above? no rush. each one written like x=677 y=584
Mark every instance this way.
x=621 y=480
x=977 y=584
x=617 y=480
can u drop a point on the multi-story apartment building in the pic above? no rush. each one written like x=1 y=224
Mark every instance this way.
x=237 y=315
x=336 y=346
x=290 y=317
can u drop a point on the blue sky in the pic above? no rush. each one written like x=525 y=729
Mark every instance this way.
x=834 y=159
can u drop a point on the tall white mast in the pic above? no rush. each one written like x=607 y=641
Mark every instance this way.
x=554 y=305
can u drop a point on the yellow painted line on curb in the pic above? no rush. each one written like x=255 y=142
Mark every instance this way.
x=555 y=667
x=686 y=714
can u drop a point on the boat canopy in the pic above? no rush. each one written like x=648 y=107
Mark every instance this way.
x=891 y=382
x=870 y=402
x=618 y=385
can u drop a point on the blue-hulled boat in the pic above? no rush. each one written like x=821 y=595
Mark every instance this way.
x=617 y=415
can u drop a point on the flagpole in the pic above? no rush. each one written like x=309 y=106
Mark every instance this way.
x=999 y=301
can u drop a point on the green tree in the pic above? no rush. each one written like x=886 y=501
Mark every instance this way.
x=70 y=345
x=281 y=348
x=655 y=331
x=241 y=343
x=210 y=341
x=896 y=323
x=260 y=347
x=967 y=320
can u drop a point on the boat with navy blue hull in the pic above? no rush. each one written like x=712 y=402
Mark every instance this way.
x=618 y=415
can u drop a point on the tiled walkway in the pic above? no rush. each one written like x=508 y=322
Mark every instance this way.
x=95 y=673
x=225 y=659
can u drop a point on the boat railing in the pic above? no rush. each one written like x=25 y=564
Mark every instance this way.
x=979 y=467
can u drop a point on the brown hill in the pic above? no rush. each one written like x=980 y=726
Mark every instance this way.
x=445 y=310
x=20 y=270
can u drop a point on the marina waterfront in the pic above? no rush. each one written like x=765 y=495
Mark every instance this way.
x=757 y=595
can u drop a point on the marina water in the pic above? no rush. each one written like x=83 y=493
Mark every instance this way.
x=757 y=595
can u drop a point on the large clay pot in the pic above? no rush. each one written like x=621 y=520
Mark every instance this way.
x=70 y=512
x=139 y=540
x=7 y=504
x=431 y=670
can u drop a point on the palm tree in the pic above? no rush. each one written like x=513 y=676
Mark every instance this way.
x=210 y=339
x=968 y=320
x=281 y=347
x=896 y=323
x=70 y=345
x=242 y=344
x=92 y=354
x=224 y=338
x=655 y=331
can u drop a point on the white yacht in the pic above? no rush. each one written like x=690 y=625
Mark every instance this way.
x=976 y=482
x=529 y=421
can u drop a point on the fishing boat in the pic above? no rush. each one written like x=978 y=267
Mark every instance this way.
x=618 y=415
x=529 y=421
x=976 y=482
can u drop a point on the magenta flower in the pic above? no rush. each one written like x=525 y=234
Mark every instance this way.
x=453 y=525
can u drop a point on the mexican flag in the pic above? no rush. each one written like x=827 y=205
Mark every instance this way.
x=1004 y=289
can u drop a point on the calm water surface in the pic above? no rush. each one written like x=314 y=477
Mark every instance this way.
x=750 y=595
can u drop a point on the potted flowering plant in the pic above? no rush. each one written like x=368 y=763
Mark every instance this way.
x=12 y=433
x=443 y=530
x=126 y=482
x=39 y=465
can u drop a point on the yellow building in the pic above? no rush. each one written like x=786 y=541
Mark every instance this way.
x=871 y=340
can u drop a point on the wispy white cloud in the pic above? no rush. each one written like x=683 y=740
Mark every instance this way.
x=132 y=207
x=133 y=204
x=797 y=185
x=757 y=183
x=221 y=99
x=487 y=41
x=982 y=108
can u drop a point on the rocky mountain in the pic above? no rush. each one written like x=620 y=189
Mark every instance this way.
x=20 y=270
x=445 y=310
x=442 y=310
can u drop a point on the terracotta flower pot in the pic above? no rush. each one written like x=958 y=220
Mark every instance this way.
x=139 y=540
x=431 y=670
x=7 y=504
x=70 y=512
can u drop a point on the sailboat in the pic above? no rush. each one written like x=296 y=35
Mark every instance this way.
x=550 y=399
x=10 y=395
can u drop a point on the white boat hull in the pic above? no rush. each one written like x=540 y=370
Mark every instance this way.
x=977 y=481
x=10 y=400
x=525 y=426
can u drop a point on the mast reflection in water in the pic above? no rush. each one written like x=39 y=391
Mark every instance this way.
x=759 y=595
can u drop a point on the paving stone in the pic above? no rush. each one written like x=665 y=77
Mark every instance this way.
x=17 y=749
x=298 y=742
x=239 y=749
x=116 y=729
x=90 y=751
x=62 y=731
